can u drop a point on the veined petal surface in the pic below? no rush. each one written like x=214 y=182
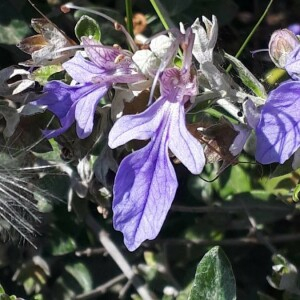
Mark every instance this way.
x=144 y=190
x=278 y=131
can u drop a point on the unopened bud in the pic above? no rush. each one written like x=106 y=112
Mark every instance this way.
x=281 y=44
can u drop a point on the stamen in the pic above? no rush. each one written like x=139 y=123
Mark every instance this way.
x=69 y=48
x=124 y=52
x=258 y=51
x=67 y=7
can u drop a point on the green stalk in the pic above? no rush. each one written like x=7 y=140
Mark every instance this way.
x=251 y=34
x=129 y=23
x=160 y=10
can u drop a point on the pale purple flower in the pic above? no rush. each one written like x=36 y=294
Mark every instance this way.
x=251 y=118
x=106 y=66
x=295 y=28
x=146 y=183
x=278 y=131
x=292 y=65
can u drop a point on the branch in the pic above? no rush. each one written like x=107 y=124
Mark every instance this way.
x=100 y=289
x=119 y=258
x=280 y=238
x=229 y=209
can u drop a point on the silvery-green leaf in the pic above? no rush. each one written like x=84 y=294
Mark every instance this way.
x=214 y=278
x=11 y=117
x=11 y=84
x=87 y=26
x=30 y=109
x=284 y=275
x=105 y=162
x=13 y=32
x=247 y=77
x=42 y=74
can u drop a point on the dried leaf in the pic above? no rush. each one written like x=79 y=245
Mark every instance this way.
x=44 y=48
x=32 y=44
x=216 y=137
x=138 y=103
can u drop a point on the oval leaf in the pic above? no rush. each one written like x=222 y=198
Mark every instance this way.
x=87 y=26
x=214 y=278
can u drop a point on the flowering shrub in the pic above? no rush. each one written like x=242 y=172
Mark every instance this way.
x=123 y=122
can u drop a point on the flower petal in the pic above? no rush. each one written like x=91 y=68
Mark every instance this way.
x=144 y=189
x=62 y=100
x=57 y=98
x=252 y=113
x=240 y=140
x=293 y=63
x=81 y=70
x=141 y=126
x=100 y=55
x=183 y=145
x=85 y=110
x=278 y=131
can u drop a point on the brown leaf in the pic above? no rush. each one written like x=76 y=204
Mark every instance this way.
x=216 y=138
x=32 y=44
x=138 y=103
x=44 y=47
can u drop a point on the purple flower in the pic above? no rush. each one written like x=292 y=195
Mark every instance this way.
x=295 y=28
x=278 y=131
x=146 y=183
x=292 y=65
x=106 y=66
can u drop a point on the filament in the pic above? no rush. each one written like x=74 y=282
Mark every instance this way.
x=66 y=7
x=258 y=51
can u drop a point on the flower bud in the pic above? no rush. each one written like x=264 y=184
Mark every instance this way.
x=281 y=44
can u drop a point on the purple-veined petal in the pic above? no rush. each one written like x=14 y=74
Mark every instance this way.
x=57 y=98
x=100 y=55
x=85 y=110
x=183 y=145
x=114 y=65
x=140 y=126
x=278 y=131
x=168 y=83
x=292 y=65
x=124 y=77
x=82 y=70
x=144 y=189
x=62 y=100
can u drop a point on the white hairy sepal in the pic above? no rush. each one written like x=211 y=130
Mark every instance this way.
x=149 y=61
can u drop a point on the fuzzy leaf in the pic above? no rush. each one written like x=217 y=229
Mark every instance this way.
x=42 y=74
x=87 y=26
x=214 y=278
x=247 y=77
x=11 y=117
x=13 y=32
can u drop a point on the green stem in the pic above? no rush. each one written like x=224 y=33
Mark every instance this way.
x=160 y=10
x=129 y=23
x=251 y=34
